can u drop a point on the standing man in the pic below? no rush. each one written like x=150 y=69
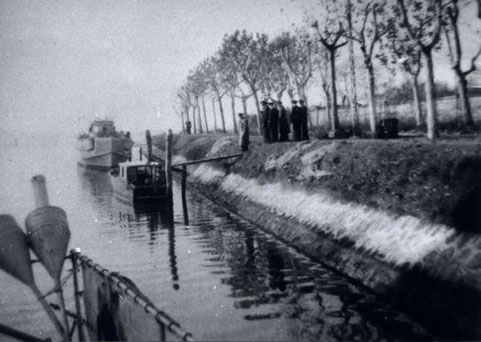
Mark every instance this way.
x=283 y=123
x=188 y=126
x=265 y=121
x=304 y=121
x=243 y=132
x=273 y=122
x=296 y=121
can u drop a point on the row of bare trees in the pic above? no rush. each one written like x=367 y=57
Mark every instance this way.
x=395 y=35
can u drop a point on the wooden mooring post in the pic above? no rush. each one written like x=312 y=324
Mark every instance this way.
x=184 y=199
x=148 y=139
x=168 y=163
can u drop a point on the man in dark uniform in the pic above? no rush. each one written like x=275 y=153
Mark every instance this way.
x=273 y=122
x=283 y=122
x=295 y=121
x=265 y=122
x=304 y=121
x=243 y=132
x=188 y=126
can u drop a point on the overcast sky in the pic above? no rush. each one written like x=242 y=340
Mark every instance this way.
x=64 y=62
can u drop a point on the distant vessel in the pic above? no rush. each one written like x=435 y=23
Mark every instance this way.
x=103 y=148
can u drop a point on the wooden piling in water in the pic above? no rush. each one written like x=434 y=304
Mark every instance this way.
x=184 y=199
x=168 y=163
x=148 y=139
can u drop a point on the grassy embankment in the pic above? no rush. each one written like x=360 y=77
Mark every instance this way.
x=411 y=205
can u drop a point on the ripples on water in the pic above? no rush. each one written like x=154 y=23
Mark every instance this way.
x=219 y=276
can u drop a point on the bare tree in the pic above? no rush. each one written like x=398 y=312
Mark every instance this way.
x=243 y=95
x=295 y=51
x=197 y=88
x=422 y=20
x=205 y=115
x=228 y=79
x=245 y=52
x=180 y=113
x=451 y=30
x=399 y=51
x=330 y=32
x=212 y=77
x=368 y=28
x=352 y=69
x=321 y=64
x=215 y=115
x=185 y=98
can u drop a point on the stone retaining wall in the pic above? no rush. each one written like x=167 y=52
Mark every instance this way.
x=431 y=269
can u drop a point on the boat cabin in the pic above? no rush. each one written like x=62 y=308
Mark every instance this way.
x=142 y=174
x=140 y=182
x=102 y=128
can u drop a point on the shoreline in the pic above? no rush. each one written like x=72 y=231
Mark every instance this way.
x=415 y=262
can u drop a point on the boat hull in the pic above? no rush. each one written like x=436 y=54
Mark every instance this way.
x=137 y=196
x=104 y=153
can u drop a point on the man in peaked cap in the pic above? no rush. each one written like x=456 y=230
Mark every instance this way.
x=295 y=121
x=243 y=132
x=273 y=122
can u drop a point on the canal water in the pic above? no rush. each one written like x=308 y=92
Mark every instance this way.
x=218 y=275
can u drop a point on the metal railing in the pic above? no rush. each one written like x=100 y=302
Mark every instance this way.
x=166 y=323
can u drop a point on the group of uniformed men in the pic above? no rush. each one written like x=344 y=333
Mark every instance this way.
x=276 y=122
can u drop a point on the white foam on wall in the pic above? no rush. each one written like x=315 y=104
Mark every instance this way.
x=398 y=239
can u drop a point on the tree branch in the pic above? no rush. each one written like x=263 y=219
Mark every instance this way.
x=473 y=63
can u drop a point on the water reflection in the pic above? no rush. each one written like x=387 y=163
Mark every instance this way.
x=266 y=282
x=270 y=281
x=97 y=185
x=154 y=217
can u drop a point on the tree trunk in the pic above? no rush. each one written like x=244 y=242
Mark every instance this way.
x=183 y=121
x=205 y=116
x=254 y=92
x=232 y=103
x=187 y=113
x=290 y=92
x=464 y=98
x=417 y=102
x=199 y=117
x=279 y=95
x=302 y=94
x=372 y=97
x=332 y=67
x=462 y=82
x=431 y=115
x=244 y=103
x=328 y=106
x=215 y=115
x=194 y=120
x=352 y=67
x=221 y=108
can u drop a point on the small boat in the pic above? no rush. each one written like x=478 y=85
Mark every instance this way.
x=139 y=182
x=103 y=148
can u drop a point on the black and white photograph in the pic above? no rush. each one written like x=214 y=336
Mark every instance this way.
x=240 y=170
